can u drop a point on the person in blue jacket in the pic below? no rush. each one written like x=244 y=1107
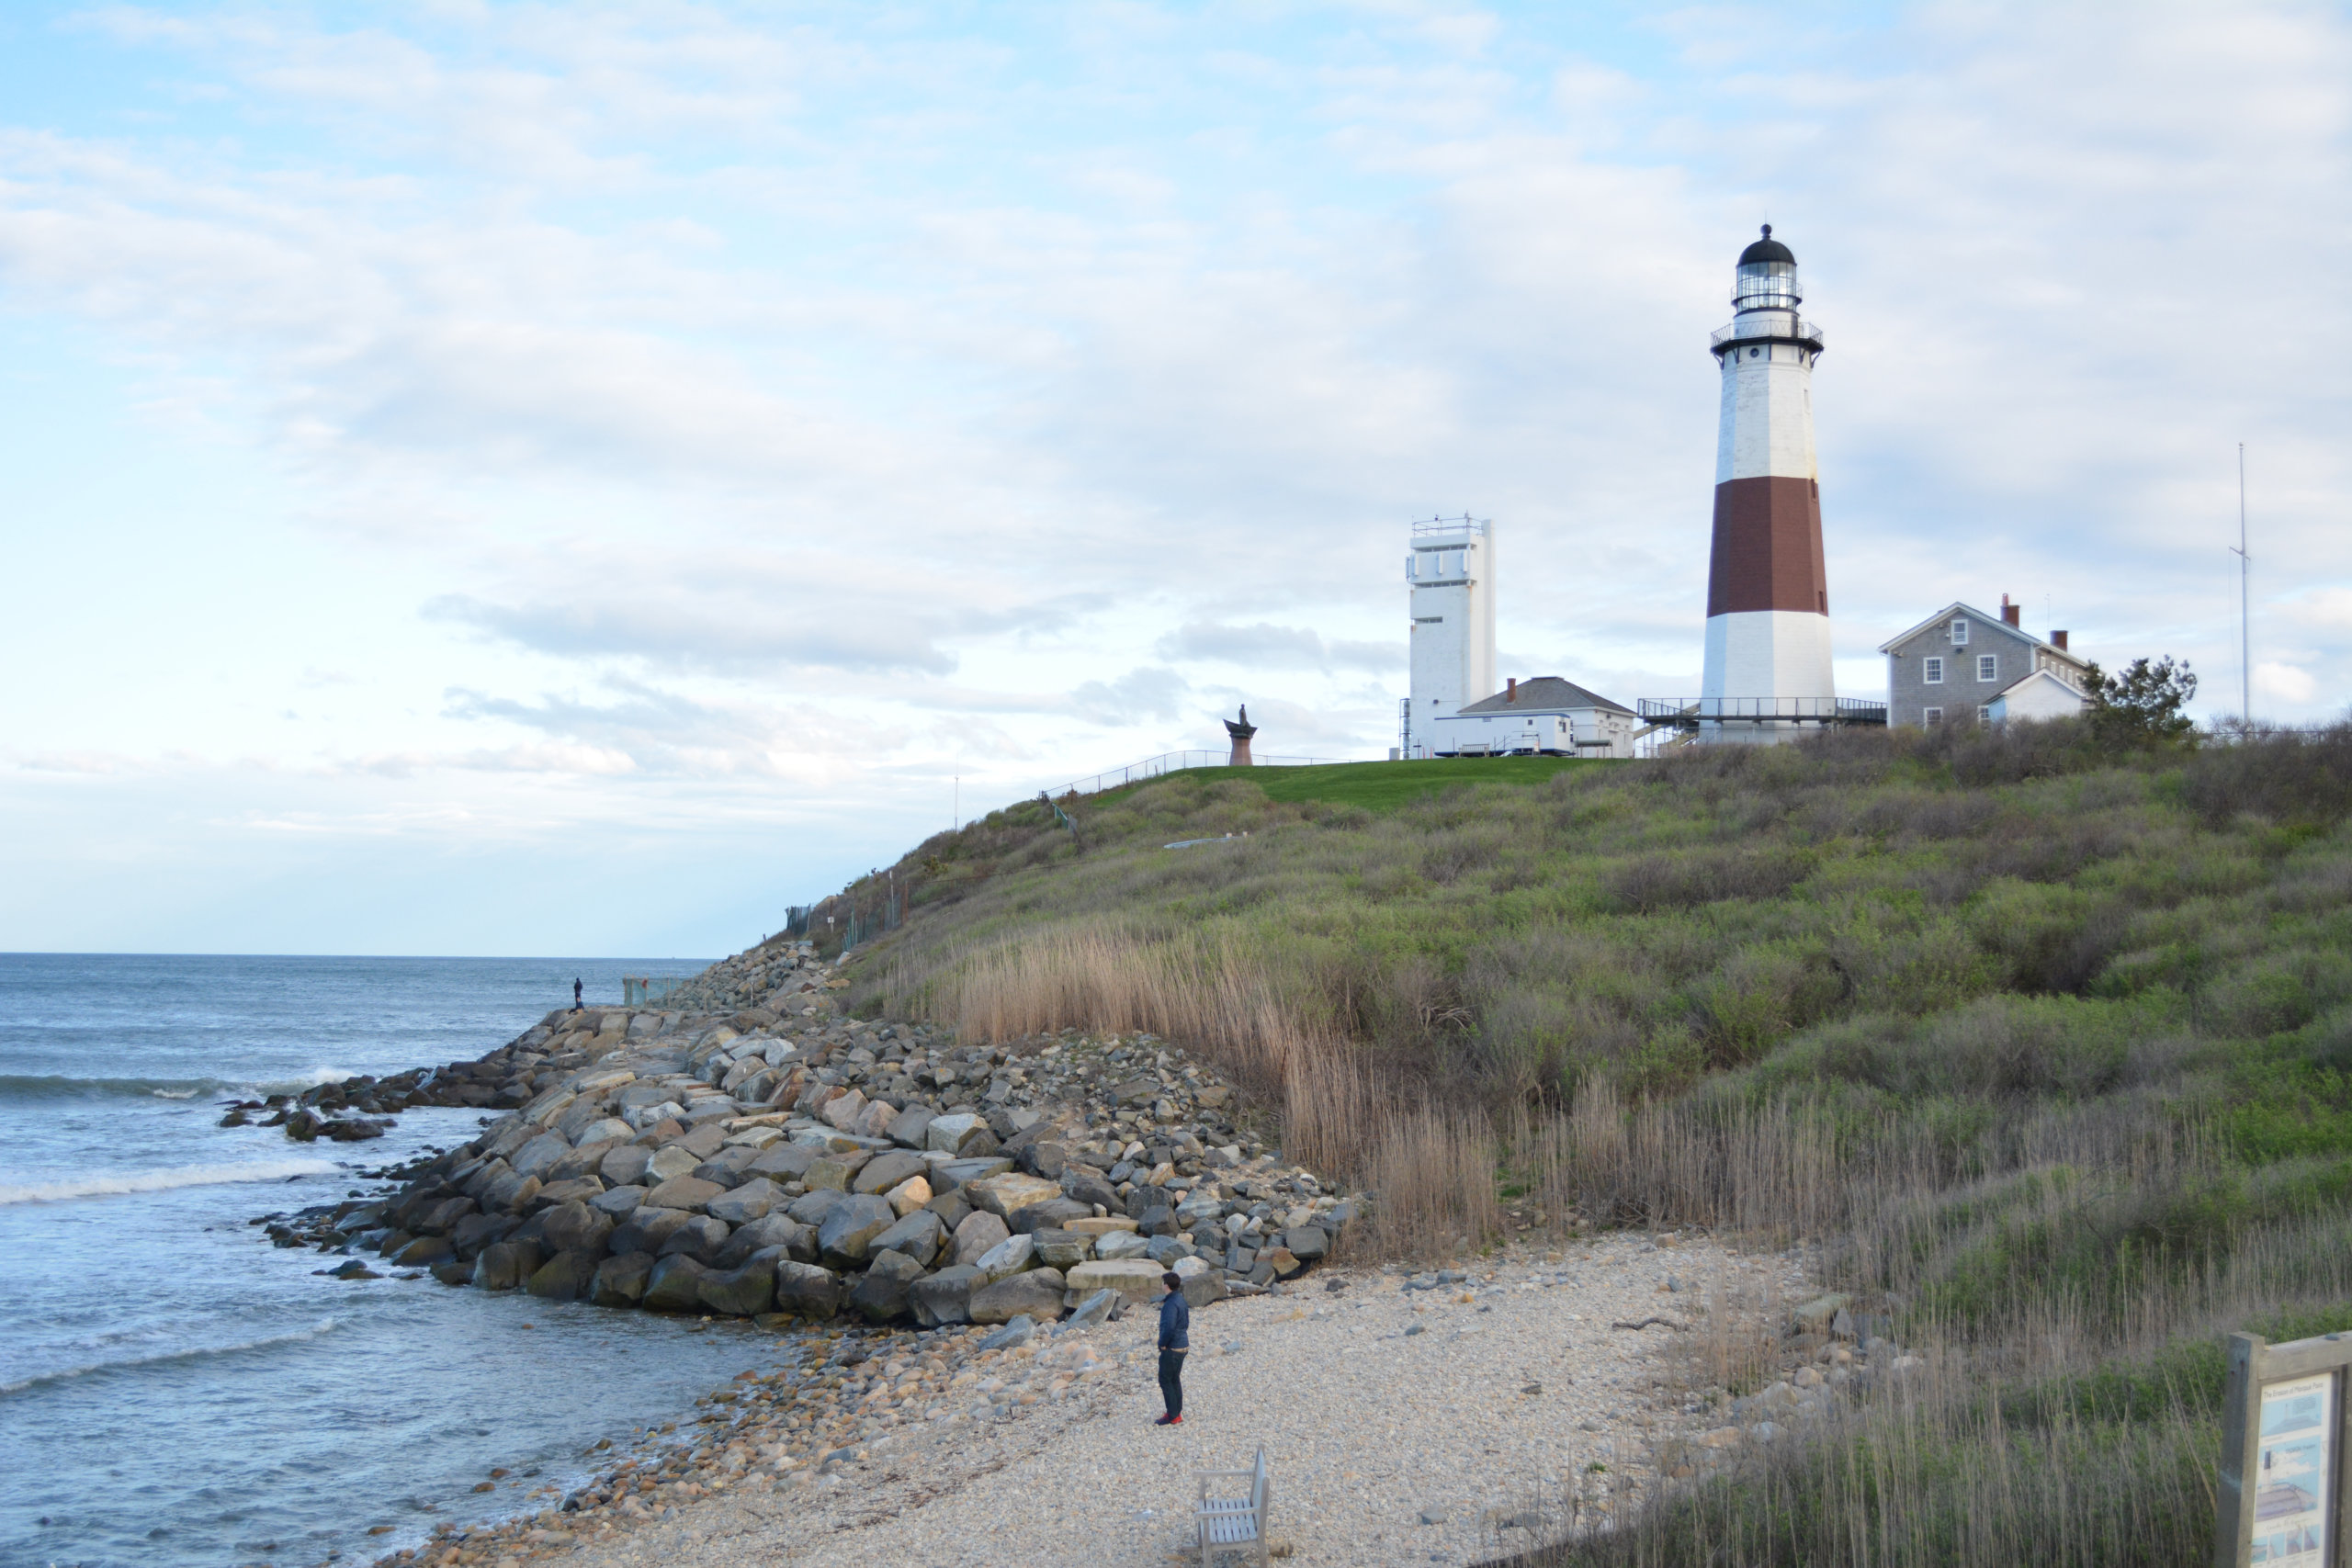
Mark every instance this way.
x=1175 y=1338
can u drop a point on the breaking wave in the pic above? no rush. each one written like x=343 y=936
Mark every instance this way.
x=55 y=1085
x=193 y=1353
x=162 y=1181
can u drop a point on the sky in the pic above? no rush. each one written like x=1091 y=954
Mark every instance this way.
x=582 y=478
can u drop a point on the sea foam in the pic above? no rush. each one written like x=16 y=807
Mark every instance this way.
x=161 y=1180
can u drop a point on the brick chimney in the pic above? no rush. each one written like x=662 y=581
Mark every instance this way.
x=1510 y=691
x=2058 y=641
x=2010 y=612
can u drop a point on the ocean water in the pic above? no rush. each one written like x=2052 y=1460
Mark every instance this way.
x=174 y=1390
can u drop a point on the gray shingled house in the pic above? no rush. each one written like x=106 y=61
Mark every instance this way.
x=1963 y=665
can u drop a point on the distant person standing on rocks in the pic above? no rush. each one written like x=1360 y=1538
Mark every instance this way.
x=1175 y=1338
x=575 y=995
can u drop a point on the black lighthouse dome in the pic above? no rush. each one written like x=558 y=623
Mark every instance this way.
x=1768 y=277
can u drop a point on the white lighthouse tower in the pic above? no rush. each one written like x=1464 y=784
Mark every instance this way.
x=1450 y=569
x=1766 y=673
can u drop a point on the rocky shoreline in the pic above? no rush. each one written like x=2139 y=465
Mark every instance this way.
x=919 y=1218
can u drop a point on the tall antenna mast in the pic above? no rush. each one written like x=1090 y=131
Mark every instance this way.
x=2245 y=634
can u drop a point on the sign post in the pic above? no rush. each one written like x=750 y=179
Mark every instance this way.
x=2283 y=1447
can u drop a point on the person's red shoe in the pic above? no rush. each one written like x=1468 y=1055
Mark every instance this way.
x=1169 y=1421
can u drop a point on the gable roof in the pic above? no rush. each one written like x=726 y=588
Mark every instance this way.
x=2051 y=676
x=1545 y=694
x=1956 y=609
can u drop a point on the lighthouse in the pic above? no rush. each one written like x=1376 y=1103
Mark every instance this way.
x=1766 y=673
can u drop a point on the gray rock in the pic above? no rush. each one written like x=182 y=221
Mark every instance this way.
x=508 y=1193
x=1204 y=1288
x=1012 y=1336
x=605 y=1130
x=1061 y=1249
x=576 y=1227
x=1167 y=1249
x=684 y=1192
x=1008 y=1257
x=744 y=1291
x=955 y=1134
x=844 y=1236
x=1306 y=1242
x=1096 y=1308
x=647 y=1228
x=1044 y=1157
x=618 y=1202
x=579 y=1189
x=1115 y=1245
x=587 y=1160
x=671 y=1161
x=797 y=1241
x=920 y=1236
x=979 y=1233
x=1036 y=1292
x=885 y=1171
x=1052 y=1214
x=783 y=1162
x=949 y=1174
x=910 y=1126
x=1156 y=1220
x=566 y=1276
x=882 y=1294
x=701 y=1238
x=1090 y=1190
x=806 y=1289
x=675 y=1285
x=620 y=1281
x=625 y=1166
x=540 y=1156
x=810 y=1208
x=505 y=1264
x=718 y=1173
x=951 y=1208
x=475 y=1231
x=745 y=1203
x=424 y=1252
x=946 y=1297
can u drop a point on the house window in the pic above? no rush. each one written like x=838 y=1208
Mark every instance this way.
x=1960 y=634
x=1931 y=670
x=1988 y=667
x=1984 y=715
x=1932 y=718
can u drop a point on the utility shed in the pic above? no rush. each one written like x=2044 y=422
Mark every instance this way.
x=1545 y=717
x=1957 y=665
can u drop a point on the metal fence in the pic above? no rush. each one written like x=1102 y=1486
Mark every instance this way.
x=645 y=991
x=1689 y=712
x=1176 y=762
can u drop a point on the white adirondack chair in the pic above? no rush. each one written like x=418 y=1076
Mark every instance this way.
x=1234 y=1522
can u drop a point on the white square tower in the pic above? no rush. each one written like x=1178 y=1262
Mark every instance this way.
x=1451 y=569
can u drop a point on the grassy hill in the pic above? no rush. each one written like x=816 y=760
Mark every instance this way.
x=2045 y=1048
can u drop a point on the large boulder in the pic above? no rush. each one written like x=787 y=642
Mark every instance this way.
x=908 y=1127
x=620 y=1281
x=1007 y=1258
x=947 y=1175
x=647 y=1228
x=617 y=1202
x=1113 y=1245
x=576 y=1227
x=887 y=1170
x=574 y=1189
x=882 y=1294
x=849 y=1231
x=1137 y=1278
x=670 y=1161
x=944 y=1297
x=1306 y=1242
x=566 y=1276
x=843 y=1110
x=475 y=1231
x=808 y=1290
x=701 y=1238
x=829 y=1174
x=1006 y=1194
x=1036 y=1294
x=425 y=1251
x=1054 y=1213
x=605 y=1130
x=796 y=1241
x=950 y=1207
x=505 y=1264
x=910 y=1195
x=675 y=1285
x=744 y=1291
x=1205 y=1287
x=745 y=1203
x=784 y=1162
x=979 y=1233
x=956 y=1134
x=920 y=1236
x=1061 y=1249
x=626 y=1166
x=684 y=1192
x=540 y=1156
x=1044 y=1156
x=810 y=1208
x=508 y=1193
x=1085 y=1187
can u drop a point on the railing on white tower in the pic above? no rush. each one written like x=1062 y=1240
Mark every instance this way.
x=1783 y=327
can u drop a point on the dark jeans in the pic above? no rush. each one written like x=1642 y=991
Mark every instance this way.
x=1171 y=1380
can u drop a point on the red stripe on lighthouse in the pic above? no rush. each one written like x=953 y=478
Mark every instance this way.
x=1767 y=547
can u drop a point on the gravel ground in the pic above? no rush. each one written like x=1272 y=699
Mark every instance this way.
x=1485 y=1423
